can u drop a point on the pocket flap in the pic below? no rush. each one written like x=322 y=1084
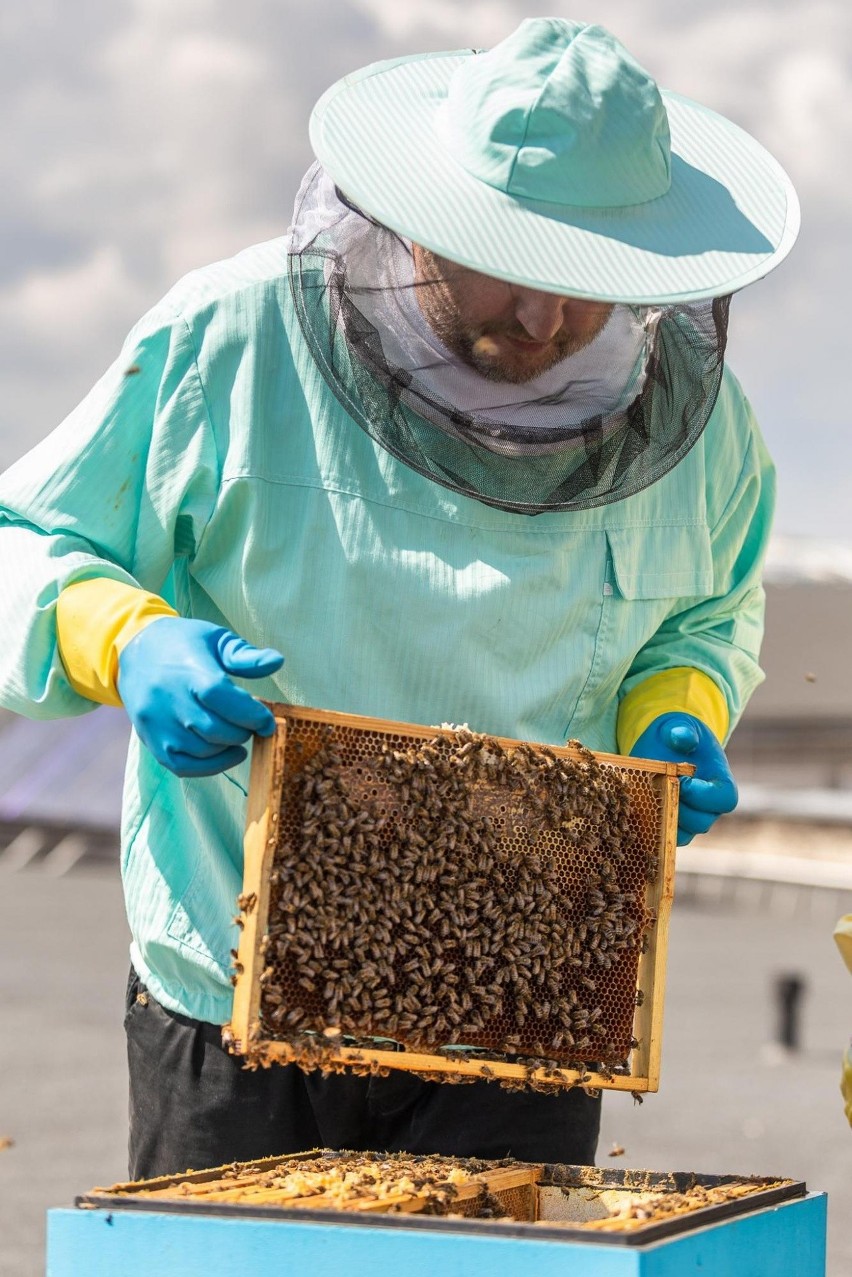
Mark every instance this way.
x=662 y=562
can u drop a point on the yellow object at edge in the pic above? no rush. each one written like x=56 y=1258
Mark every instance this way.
x=843 y=938
x=846 y=1083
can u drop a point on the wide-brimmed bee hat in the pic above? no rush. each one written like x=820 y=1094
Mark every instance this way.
x=554 y=161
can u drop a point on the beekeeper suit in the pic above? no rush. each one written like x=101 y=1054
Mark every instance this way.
x=461 y=447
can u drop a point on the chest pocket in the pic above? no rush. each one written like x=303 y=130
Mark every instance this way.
x=662 y=562
x=653 y=572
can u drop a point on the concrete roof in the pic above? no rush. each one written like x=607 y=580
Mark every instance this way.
x=64 y=772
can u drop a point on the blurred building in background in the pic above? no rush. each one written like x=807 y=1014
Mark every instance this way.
x=792 y=751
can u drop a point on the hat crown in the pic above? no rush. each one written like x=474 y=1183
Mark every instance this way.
x=559 y=112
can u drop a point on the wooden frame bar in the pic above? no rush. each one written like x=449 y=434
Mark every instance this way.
x=217 y=1187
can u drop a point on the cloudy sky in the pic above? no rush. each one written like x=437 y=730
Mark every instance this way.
x=145 y=138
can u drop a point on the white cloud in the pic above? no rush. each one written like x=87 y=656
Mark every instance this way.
x=71 y=307
x=186 y=61
x=474 y=25
x=810 y=106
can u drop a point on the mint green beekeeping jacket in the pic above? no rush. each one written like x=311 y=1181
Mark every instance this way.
x=226 y=476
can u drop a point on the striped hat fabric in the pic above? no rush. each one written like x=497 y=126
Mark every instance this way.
x=555 y=162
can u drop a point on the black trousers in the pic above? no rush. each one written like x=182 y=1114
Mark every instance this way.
x=194 y=1106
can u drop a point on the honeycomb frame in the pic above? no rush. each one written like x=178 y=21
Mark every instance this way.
x=277 y=758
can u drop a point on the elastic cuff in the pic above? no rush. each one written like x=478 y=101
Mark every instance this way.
x=680 y=690
x=95 y=620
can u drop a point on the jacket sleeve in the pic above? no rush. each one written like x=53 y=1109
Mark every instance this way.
x=121 y=489
x=720 y=635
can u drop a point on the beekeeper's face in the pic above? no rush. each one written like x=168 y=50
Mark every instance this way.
x=505 y=331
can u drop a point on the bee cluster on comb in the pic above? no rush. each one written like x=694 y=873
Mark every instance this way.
x=426 y=1184
x=455 y=895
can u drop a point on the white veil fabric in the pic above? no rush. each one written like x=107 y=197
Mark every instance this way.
x=602 y=422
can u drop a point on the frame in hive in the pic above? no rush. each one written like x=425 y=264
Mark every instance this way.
x=561 y=1202
x=454 y=905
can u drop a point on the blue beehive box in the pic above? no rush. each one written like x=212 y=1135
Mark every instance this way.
x=568 y=1222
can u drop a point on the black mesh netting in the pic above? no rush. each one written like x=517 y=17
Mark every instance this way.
x=599 y=426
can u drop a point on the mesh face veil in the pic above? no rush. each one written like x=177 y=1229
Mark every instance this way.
x=602 y=423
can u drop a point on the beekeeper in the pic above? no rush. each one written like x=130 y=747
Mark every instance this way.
x=460 y=447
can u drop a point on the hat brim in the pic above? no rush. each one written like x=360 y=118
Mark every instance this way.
x=730 y=216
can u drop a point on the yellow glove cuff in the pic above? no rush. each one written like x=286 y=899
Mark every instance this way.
x=843 y=938
x=95 y=620
x=683 y=690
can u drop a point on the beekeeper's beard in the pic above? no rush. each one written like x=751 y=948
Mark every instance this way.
x=479 y=319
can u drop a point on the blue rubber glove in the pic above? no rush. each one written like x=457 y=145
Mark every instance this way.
x=680 y=738
x=173 y=681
